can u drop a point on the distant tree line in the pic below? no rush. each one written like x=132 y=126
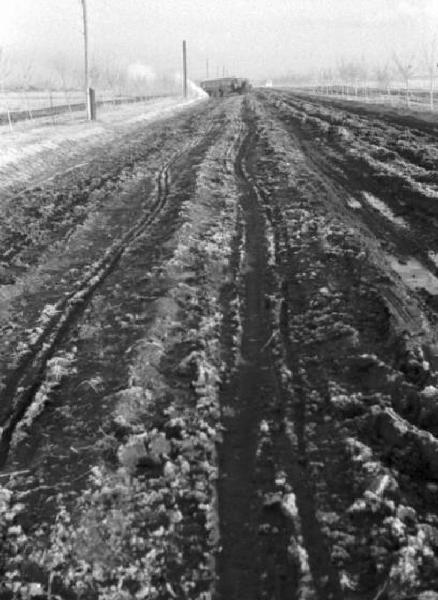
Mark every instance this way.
x=64 y=74
x=396 y=76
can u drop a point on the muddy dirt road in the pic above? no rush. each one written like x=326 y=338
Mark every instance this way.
x=219 y=361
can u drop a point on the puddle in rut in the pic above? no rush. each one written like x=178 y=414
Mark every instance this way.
x=414 y=274
x=384 y=209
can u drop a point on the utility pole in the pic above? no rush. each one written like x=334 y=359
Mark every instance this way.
x=89 y=94
x=206 y=68
x=185 y=69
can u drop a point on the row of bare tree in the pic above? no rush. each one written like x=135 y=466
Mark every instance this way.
x=356 y=77
x=26 y=85
x=64 y=74
x=58 y=74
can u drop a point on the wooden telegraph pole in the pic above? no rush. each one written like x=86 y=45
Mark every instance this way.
x=185 y=69
x=89 y=93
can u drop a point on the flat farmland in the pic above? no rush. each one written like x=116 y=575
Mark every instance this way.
x=219 y=357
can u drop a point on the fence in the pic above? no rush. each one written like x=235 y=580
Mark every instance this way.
x=19 y=106
x=416 y=96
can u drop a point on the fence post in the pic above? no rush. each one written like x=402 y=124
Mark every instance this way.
x=9 y=117
x=185 y=69
x=51 y=106
x=91 y=104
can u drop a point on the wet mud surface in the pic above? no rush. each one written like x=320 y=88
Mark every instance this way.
x=219 y=361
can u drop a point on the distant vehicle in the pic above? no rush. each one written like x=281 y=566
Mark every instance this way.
x=226 y=86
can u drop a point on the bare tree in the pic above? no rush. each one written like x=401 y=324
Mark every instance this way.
x=360 y=76
x=109 y=75
x=405 y=67
x=383 y=76
x=353 y=75
x=326 y=79
x=430 y=59
x=96 y=74
x=117 y=75
x=48 y=82
x=27 y=70
x=5 y=72
x=344 y=76
x=5 y=67
x=62 y=68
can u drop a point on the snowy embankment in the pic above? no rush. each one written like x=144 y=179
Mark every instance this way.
x=41 y=148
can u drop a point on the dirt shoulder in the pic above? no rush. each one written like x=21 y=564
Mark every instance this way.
x=34 y=152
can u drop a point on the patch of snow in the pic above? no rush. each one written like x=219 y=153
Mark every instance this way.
x=353 y=203
x=36 y=140
x=289 y=506
x=415 y=275
x=384 y=209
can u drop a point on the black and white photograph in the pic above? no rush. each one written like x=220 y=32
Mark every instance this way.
x=219 y=300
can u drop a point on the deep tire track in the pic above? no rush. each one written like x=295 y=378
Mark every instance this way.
x=320 y=429
x=292 y=457
x=341 y=181
x=356 y=175
x=256 y=534
x=28 y=375
x=240 y=571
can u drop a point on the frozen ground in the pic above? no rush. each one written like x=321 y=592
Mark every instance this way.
x=219 y=357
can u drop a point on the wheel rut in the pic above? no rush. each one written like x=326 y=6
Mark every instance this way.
x=28 y=375
x=246 y=397
x=262 y=537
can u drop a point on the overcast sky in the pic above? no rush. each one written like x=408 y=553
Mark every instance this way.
x=257 y=38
